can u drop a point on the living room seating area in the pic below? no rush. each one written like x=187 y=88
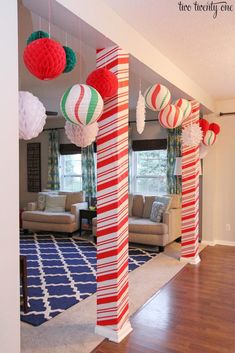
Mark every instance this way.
x=54 y=211
x=153 y=220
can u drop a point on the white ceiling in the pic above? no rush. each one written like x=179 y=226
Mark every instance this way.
x=203 y=47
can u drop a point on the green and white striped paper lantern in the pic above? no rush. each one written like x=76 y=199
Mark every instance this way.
x=81 y=104
x=209 y=138
x=185 y=106
x=157 y=97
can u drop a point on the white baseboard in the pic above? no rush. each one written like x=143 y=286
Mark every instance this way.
x=218 y=242
x=208 y=242
x=114 y=336
x=224 y=242
x=195 y=260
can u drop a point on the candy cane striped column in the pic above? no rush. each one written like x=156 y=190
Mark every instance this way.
x=112 y=202
x=190 y=195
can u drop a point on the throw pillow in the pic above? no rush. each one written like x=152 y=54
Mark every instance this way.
x=55 y=203
x=138 y=206
x=42 y=200
x=148 y=203
x=166 y=200
x=157 y=211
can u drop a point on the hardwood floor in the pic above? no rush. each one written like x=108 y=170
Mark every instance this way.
x=193 y=313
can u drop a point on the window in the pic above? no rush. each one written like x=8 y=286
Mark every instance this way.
x=149 y=170
x=71 y=172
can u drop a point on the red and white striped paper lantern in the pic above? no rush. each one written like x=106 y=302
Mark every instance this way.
x=209 y=138
x=185 y=106
x=171 y=117
x=157 y=97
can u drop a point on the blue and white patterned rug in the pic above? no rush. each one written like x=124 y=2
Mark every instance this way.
x=62 y=272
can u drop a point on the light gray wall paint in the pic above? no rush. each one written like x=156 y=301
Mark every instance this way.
x=152 y=130
x=26 y=196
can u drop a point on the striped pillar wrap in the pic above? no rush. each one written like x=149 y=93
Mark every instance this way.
x=112 y=202
x=190 y=195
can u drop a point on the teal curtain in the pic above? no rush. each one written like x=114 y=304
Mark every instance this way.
x=53 y=182
x=89 y=171
x=173 y=151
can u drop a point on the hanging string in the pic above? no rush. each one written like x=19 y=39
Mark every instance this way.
x=105 y=43
x=49 y=13
x=80 y=50
x=66 y=39
x=40 y=23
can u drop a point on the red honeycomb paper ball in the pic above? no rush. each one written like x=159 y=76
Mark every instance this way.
x=215 y=128
x=104 y=81
x=204 y=125
x=45 y=58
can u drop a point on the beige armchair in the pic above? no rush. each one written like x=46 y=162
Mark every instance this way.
x=37 y=217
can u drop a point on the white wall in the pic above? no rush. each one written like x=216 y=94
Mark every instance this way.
x=218 y=181
x=9 y=176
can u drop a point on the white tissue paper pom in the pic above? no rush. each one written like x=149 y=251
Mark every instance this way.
x=32 y=116
x=203 y=150
x=192 y=135
x=81 y=135
x=140 y=113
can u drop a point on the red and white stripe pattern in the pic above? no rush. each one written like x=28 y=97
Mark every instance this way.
x=157 y=97
x=190 y=193
x=112 y=197
x=185 y=106
x=209 y=138
x=171 y=117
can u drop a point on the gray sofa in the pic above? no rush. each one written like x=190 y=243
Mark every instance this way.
x=144 y=231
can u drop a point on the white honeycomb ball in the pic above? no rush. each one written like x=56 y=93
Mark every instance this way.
x=81 y=135
x=32 y=116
